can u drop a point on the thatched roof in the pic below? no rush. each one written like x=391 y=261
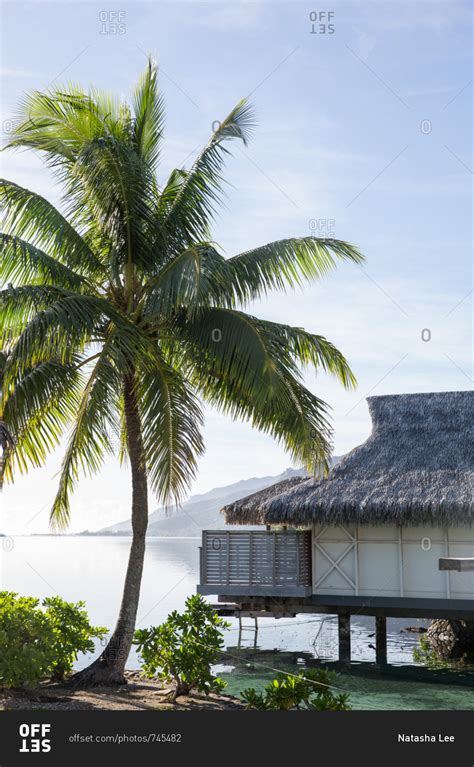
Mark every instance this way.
x=417 y=467
x=250 y=510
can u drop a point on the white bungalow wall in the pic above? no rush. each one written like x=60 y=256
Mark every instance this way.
x=391 y=561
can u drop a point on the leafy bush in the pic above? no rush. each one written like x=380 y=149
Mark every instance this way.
x=36 y=643
x=24 y=641
x=72 y=633
x=182 y=650
x=310 y=690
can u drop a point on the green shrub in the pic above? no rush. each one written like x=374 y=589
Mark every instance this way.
x=182 y=650
x=310 y=690
x=25 y=639
x=72 y=634
x=38 y=644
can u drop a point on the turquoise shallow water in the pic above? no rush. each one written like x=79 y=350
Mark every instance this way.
x=93 y=568
x=410 y=689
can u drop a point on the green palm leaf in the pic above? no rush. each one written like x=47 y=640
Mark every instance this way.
x=29 y=216
x=286 y=263
x=21 y=262
x=196 y=277
x=42 y=403
x=190 y=211
x=172 y=419
x=240 y=366
x=149 y=121
x=94 y=426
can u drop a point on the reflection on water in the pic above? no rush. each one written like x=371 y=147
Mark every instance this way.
x=93 y=568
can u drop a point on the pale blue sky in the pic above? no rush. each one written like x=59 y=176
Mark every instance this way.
x=367 y=129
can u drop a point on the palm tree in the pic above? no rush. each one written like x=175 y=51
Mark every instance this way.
x=126 y=317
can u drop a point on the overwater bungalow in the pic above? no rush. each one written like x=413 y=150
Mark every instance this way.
x=369 y=538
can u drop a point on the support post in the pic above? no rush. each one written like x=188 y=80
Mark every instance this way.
x=344 y=625
x=381 y=640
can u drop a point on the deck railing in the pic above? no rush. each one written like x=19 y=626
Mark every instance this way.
x=255 y=562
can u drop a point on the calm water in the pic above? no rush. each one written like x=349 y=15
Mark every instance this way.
x=92 y=569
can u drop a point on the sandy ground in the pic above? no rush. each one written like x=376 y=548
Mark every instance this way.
x=138 y=695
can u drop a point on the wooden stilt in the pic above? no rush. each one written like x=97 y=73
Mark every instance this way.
x=381 y=640
x=344 y=625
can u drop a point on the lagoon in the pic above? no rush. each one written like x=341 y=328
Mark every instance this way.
x=93 y=568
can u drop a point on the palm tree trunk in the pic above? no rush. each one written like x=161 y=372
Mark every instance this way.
x=109 y=667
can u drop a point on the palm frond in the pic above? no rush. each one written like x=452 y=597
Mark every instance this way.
x=21 y=262
x=242 y=369
x=38 y=407
x=190 y=211
x=308 y=349
x=194 y=278
x=18 y=305
x=286 y=263
x=57 y=329
x=88 y=140
x=52 y=322
x=148 y=106
x=119 y=187
x=171 y=419
x=59 y=121
x=91 y=438
x=31 y=217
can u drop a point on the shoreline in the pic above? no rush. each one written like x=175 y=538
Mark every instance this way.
x=139 y=694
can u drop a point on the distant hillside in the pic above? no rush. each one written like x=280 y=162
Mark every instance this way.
x=200 y=511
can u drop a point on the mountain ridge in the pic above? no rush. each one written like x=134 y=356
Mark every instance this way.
x=201 y=511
